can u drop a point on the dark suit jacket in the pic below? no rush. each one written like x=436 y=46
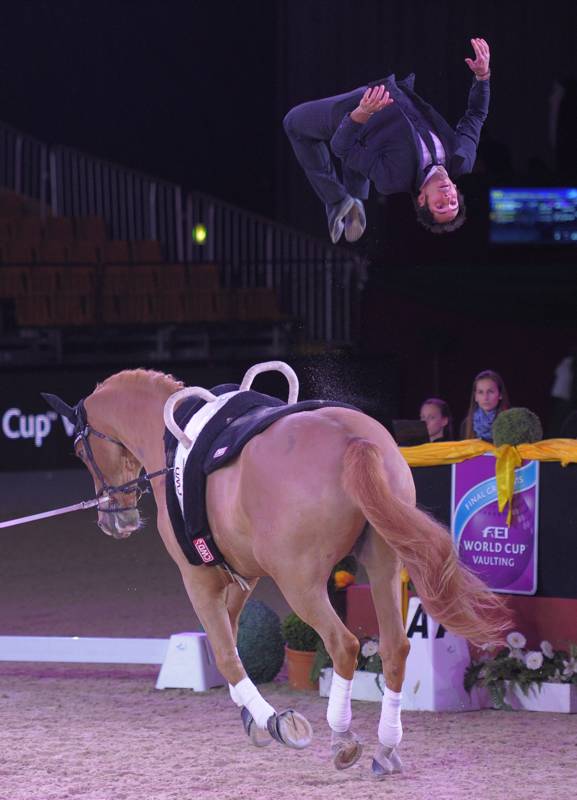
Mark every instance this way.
x=387 y=150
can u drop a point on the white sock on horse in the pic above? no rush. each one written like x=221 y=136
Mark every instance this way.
x=234 y=697
x=339 y=712
x=245 y=693
x=390 y=727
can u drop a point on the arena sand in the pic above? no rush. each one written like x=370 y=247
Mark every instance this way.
x=97 y=732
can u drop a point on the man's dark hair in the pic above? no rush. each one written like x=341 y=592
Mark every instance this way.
x=426 y=219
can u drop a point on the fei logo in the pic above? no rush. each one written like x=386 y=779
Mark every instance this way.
x=496 y=532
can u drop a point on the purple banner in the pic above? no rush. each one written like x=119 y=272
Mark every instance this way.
x=503 y=556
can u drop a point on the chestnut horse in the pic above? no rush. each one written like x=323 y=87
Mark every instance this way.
x=302 y=495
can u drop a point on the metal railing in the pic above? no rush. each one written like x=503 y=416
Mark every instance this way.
x=24 y=165
x=317 y=284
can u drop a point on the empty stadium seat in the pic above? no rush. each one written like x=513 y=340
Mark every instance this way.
x=16 y=252
x=35 y=310
x=82 y=253
x=14 y=282
x=119 y=279
x=90 y=229
x=146 y=252
x=45 y=279
x=172 y=277
x=48 y=310
x=115 y=252
x=203 y=276
x=27 y=229
x=59 y=229
x=51 y=252
x=12 y=204
x=130 y=309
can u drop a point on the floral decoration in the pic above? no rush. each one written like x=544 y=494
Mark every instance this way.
x=369 y=659
x=527 y=669
x=343 y=574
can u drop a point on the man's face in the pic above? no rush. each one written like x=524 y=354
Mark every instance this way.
x=439 y=194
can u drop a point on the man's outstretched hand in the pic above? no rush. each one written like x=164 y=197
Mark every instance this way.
x=374 y=99
x=480 y=66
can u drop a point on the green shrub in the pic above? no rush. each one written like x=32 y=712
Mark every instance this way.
x=260 y=642
x=298 y=635
x=516 y=426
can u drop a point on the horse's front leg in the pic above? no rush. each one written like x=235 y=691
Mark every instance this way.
x=383 y=569
x=208 y=590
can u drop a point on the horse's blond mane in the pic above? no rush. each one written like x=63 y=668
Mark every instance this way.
x=140 y=376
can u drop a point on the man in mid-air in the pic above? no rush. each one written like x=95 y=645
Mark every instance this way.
x=385 y=134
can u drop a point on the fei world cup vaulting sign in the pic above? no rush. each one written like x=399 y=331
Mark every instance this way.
x=503 y=556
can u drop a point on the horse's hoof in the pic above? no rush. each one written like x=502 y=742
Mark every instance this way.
x=290 y=728
x=257 y=736
x=386 y=762
x=346 y=749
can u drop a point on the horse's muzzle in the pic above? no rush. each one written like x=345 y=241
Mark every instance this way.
x=119 y=524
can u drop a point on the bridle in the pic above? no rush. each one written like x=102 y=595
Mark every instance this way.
x=138 y=486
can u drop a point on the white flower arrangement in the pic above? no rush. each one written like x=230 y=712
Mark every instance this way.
x=547 y=649
x=369 y=659
x=524 y=668
x=534 y=659
x=516 y=640
x=369 y=648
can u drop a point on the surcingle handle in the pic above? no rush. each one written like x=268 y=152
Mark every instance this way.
x=173 y=401
x=273 y=366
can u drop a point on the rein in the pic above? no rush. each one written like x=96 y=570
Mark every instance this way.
x=82 y=432
x=84 y=504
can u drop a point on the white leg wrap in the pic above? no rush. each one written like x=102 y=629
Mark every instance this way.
x=390 y=727
x=234 y=696
x=245 y=693
x=231 y=691
x=339 y=712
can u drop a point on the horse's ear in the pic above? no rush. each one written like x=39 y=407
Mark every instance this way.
x=60 y=406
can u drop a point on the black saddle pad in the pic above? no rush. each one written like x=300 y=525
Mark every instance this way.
x=221 y=440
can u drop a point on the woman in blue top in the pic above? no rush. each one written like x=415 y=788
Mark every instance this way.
x=488 y=398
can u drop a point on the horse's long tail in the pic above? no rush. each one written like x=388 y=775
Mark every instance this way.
x=450 y=593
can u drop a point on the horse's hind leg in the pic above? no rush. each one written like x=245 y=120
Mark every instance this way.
x=383 y=569
x=309 y=599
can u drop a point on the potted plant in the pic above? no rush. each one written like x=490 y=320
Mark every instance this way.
x=533 y=680
x=300 y=647
x=368 y=680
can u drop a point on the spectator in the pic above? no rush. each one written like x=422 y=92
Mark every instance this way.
x=435 y=413
x=563 y=396
x=488 y=398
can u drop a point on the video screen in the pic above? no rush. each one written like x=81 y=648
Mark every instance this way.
x=537 y=216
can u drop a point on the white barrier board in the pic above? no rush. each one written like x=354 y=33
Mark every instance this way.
x=78 y=649
x=186 y=659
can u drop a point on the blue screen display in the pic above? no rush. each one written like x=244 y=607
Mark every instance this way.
x=543 y=215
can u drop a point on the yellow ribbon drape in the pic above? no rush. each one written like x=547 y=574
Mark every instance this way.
x=508 y=458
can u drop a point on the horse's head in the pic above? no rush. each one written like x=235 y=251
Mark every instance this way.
x=113 y=467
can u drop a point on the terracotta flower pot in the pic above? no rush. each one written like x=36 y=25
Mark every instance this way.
x=299 y=665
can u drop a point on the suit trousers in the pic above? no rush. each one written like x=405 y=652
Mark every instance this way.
x=310 y=127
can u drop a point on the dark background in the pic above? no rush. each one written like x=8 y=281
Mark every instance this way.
x=195 y=92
